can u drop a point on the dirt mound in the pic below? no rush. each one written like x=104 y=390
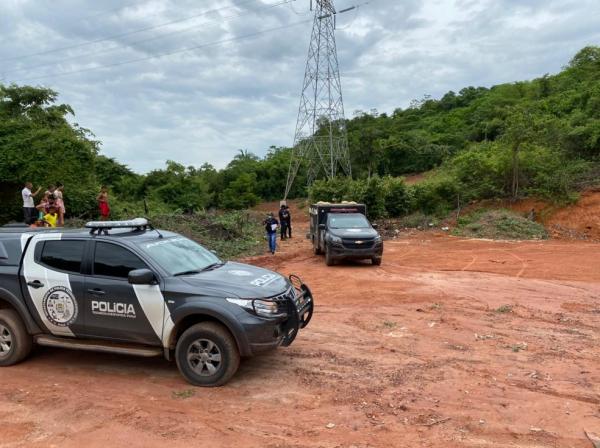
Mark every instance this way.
x=499 y=224
x=578 y=221
x=583 y=217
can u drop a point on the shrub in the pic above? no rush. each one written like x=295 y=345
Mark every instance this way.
x=373 y=196
x=370 y=192
x=480 y=171
x=499 y=224
x=399 y=198
x=437 y=196
x=330 y=190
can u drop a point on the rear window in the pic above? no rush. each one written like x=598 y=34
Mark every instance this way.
x=11 y=249
x=63 y=255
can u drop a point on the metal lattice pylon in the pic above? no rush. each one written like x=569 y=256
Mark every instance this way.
x=321 y=138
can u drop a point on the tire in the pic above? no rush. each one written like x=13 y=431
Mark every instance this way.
x=201 y=341
x=376 y=261
x=329 y=261
x=15 y=342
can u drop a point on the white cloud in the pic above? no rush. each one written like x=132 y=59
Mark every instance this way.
x=203 y=105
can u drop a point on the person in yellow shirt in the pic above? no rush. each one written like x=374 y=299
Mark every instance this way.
x=51 y=217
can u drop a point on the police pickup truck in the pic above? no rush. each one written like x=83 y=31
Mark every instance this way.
x=342 y=231
x=125 y=287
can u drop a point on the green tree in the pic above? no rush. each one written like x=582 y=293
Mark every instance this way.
x=241 y=193
x=39 y=144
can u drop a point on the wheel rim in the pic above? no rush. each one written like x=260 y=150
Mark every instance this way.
x=5 y=341
x=204 y=357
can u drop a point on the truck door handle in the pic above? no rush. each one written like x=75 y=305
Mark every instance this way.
x=96 y=292
x=35 y=284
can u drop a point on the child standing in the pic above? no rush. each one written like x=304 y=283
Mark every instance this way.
x=60 y=204
x=103 y=204
x=51 y=217
x=42 y=207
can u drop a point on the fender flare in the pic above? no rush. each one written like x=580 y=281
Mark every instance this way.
x=216 y=312
x=20 y=307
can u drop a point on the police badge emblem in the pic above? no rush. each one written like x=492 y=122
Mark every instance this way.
x=60 y=307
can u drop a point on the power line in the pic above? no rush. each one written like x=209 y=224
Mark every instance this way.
x=162 y=36
x=169 y=53
x=128 y=33
x=299 y=13
x=110 y=11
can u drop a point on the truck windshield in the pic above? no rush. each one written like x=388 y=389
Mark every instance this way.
x=348 y=221
x=180 y=255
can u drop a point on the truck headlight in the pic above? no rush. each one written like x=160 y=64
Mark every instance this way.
x=263 y=308
x=335 y=239
x=378 y=239
x=267 y=308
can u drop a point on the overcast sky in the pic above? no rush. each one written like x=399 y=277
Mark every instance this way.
x=204 y=104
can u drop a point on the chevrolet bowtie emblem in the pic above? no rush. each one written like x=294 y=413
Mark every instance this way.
x=358 y=242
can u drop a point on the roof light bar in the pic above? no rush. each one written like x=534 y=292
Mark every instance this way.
x=105 y=226
x=137 y=222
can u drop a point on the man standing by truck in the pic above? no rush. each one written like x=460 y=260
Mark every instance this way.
x=29 y=211
x=284 y=215
x=271 y=225
x=288 y=221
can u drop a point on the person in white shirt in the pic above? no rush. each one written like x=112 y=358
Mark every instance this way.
x=29 y=211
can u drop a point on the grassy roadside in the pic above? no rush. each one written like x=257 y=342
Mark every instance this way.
x=499 y=224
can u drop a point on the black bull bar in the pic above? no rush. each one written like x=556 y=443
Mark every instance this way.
x=300 y=310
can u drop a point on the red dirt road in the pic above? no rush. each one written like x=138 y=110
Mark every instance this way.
x=449 y=343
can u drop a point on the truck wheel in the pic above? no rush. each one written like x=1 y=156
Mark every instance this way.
x=376 y=261
x=15 y=342
x=329 y=261
x=207 y=355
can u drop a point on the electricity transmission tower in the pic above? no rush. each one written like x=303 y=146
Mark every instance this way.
x=321 y=139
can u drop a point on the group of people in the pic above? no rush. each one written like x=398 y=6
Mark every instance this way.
x=50 y=211
x=272 y=224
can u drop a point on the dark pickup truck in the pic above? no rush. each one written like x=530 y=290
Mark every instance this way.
x=124 y=287
x=342 y=231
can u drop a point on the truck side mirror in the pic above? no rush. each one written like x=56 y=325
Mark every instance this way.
x=142 y=277
x=375 y=226
x=322 y=227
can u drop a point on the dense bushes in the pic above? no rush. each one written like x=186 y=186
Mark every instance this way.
x=383 y=196
x=399 y=199
x=499 y=224
x=482 y=172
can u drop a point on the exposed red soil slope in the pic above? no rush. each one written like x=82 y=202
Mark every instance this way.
x=579 y=221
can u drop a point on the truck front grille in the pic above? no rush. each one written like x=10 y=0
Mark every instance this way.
x=358 y=243
x=282 y=300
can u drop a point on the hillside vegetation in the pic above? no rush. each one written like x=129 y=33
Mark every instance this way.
x=533 y=138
